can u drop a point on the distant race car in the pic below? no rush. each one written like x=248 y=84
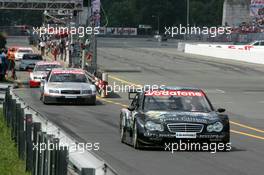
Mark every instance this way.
x=29 y=61
x=170 y=115
x=40 y=72
x=257 y=43
x=21 y=51
x=67 y=85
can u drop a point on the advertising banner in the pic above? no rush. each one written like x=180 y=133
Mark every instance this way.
x=257 y=8
x=96 y=17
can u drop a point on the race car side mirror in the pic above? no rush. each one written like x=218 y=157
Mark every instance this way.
x=221 y=110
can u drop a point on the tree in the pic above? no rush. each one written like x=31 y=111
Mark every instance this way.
x=171 y=12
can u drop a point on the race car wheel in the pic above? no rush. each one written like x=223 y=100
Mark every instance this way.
x=92 y=101
x=41 y=96
x=44 y=100
x=136 y=143
x=122 y=130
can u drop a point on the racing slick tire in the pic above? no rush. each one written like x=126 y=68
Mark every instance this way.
x=136 y=143
x=122 y=130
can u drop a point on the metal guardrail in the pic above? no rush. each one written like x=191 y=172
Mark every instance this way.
x=33 y=132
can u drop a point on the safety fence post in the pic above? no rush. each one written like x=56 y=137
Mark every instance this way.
x=29 y=143
x=61 y=160
x=42 y=146
x=54 y=165
x=7 y=106
x=36 y=130
x=21 y=133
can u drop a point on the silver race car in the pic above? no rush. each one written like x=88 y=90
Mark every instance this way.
x=40 y=72
x=67 y=85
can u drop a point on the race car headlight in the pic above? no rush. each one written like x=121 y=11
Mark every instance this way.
x=210 y=128
x=217 y=127
x=54 y=91
x=93 y=88
x=154 y=126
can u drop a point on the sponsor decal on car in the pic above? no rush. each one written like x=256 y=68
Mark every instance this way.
x=68 y=72
x=183 y=119
x=175 y=93
x=43 y=63
x=191 y=135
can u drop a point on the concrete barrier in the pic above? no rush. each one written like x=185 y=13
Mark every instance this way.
x=235 y=52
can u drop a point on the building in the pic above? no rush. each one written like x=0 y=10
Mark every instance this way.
x=235 y=12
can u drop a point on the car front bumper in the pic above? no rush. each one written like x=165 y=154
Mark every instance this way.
x=69 y=98
x=160 y=138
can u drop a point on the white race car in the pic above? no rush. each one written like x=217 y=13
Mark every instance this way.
x=67 y=85
x=40 y=72
x=21 y=51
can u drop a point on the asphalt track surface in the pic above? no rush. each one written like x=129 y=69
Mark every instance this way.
x=236 y=86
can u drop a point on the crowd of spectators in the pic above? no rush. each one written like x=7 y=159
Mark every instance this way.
x=255 y=26
x=57 y=47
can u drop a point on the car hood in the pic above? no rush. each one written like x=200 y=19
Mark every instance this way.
x=177 y=117
x=78 y=86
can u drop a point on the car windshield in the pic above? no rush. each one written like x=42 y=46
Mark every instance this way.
x=32 y=57
x=24 y=51
x=188 y=101
x=46 y=67
x=65 y=77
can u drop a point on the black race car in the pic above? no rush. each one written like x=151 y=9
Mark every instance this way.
x=172 y=114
